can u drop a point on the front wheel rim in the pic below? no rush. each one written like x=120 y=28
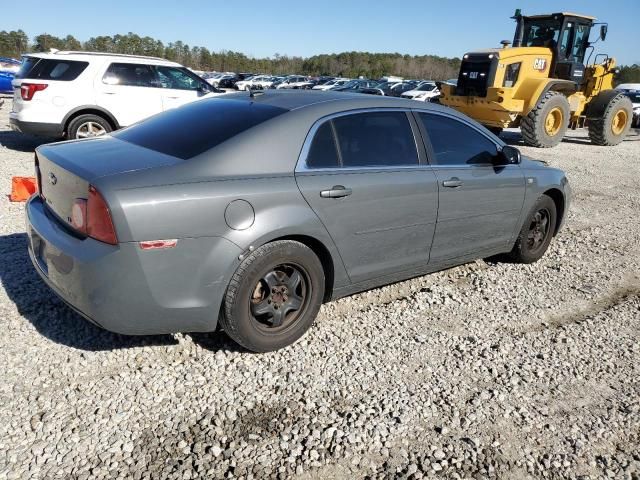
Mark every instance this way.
x=539 y=229
x=618 y=122
x=553 y=122
x=280 y=298
x=90 y=129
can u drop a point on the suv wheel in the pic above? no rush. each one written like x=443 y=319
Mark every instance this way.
x=88 y=125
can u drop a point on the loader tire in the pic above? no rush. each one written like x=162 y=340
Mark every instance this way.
x=546 y=124
x=614 y=123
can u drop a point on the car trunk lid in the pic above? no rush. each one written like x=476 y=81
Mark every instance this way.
x=65 y=170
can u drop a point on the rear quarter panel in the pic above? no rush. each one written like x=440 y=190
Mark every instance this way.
x=199 y=209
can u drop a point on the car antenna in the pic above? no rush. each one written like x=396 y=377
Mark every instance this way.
x=254 y=93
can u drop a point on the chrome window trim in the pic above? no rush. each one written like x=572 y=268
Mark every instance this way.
x=301 y=164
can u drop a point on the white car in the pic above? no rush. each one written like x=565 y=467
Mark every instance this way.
x=336 y=82
x=632 y=90
x=84 y=94
x=424 y=92
x=257 y=81
x=293 y=81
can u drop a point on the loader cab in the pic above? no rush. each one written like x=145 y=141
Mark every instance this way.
x=566 y=34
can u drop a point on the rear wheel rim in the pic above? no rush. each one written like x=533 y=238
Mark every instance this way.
x=280 y=298
x=539 y=230
x=553 y=122
x=618 y=122
x=90 y=129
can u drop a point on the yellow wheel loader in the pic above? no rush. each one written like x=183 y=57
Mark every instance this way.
x=542 y=85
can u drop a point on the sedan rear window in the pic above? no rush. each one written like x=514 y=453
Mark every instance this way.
x=51 y=69
x=197 y=127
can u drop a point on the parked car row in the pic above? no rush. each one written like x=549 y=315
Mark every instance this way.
x=422 y=90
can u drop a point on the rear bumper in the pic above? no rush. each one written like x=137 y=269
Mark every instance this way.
x=52 y=130
x=127 y=290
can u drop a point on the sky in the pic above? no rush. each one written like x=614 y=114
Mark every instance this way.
x=305 y=28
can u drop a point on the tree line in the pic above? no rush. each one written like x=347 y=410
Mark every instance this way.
x=348 y=64
x=351 y=64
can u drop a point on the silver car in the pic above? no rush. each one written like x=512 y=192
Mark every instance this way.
x=253 y=209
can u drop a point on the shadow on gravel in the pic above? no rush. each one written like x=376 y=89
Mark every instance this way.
x=217 y=340
x=20 y=142
x=515 y=139
x=48 y=314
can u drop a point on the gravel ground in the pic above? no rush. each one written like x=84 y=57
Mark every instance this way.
x=487 y=370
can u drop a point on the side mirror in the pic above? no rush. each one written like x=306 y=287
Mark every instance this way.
x=510 y=155
x=603 y=32
x=205 y=88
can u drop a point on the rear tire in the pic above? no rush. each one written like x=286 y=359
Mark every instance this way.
x=546 y=124
x=614 y=124
x=495 y=130
x=86 y=126
x=274 y=296
x=536 y=233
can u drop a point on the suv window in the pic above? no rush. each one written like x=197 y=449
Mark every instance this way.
x=376 y=139
x=455 y=143
x=323 y=153
x=178 y=78
x=129 y=74
x=51 y=69
x=180 y=132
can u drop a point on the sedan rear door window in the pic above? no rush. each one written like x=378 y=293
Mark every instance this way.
x=376 y=139
x=456 y=143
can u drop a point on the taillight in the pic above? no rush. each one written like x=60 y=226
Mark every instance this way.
x=28 y=90
x=93 y=217
x=99 y=223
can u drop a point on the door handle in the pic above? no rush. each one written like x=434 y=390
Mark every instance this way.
x=453 y=182
x=337 y=191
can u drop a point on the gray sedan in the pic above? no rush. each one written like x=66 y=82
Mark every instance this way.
x=253 y=210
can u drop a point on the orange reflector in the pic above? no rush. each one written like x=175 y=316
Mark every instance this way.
x=158 y=244
x=22 y=188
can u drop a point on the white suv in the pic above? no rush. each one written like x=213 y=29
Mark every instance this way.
x=85 y=94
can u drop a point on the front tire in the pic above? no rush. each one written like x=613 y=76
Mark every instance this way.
x=536 y=233
x=546 y=124
x=87 y=126
x=611 y=128
x=274 y=296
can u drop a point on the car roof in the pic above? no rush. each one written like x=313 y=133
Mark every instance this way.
x=85 y=56
x=336 y=101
